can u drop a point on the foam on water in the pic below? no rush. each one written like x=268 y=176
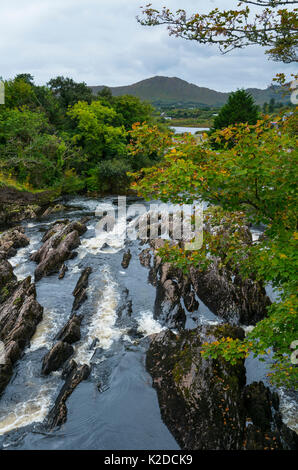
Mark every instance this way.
x=289 y=409
x=102 y=324
x=21 y=268
x=148 y=325
x=105 y=241
x=34 y=410
x=41 y=338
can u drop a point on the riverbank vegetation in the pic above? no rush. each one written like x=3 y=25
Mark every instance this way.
x=62 y=137
x=252 y=173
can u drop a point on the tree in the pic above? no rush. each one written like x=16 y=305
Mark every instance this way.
x=105 y=94
x=257 y=176
x=18 y=93
x=69 y=92
x=239 y=108
x=271 y=105
x=274 y=26
x=265 y=108
x=97 y=130
x=131 y=110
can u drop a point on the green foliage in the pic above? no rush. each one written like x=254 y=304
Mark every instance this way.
x=69 y=92
x=60 y=136
x=71 y=182
x=239 y=108
x=97 y=131
x=273 y=26
x=109 y=176
x=257 y=176
x=131 y=109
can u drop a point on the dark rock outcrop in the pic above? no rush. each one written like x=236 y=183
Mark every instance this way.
x=59 y=242
x=71 y=332
x=20 y=313
x=80 y=291
x=55 y=358
x=200 y=400
x=145 y=258
x=63 y=271
x=264 y=427
x=16 y=206
x=205 y=402
x=172 y=287
x=8 y=281
x=53 y=210
x=126 y=259
x=11 y=241
x=235 y=300
x=58 y=413
x=220 y=287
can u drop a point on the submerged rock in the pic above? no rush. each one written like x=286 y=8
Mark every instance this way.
x=20 y=313
x=63 y=271
x=58 y=413
x=205 y=402
x=55 y=358
x=80 y=291
x=71 y=332
x=126 y=259
x=59 y=242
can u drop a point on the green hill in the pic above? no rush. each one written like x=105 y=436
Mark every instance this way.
x=172 y=90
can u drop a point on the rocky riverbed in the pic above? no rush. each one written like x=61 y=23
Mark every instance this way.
x=102 y=344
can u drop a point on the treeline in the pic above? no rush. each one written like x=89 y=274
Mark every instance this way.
x=61 y=136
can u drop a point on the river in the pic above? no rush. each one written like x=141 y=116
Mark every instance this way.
x=116 y=408
x=192 y=130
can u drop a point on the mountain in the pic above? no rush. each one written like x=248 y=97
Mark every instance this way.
x=173 y=90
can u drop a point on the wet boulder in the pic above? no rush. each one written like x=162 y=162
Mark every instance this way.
x=55 y=358
x=145 y=258
x=8 y=280
x=58 y=414
x=221 y=288
x=53 y=210
x=80 y=291
x=16 y=206
x=63 y=271
x=20 y=314
x=11 y=241
x=71 y=332
x=126 y=259
x=59 y=242
x=226 y=294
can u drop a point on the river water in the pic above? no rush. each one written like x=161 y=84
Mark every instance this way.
x=192 y=130
x=116 y=408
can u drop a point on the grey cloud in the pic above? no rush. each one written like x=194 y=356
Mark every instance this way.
x=100 y=42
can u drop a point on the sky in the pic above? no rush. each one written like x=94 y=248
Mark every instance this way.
x=100 y=42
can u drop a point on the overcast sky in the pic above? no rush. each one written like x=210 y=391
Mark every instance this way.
x=101 y=43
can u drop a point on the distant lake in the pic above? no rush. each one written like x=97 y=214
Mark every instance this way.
x=192 y=130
